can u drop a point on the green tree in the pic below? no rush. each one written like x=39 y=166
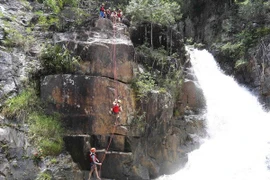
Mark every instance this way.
x=156 y=11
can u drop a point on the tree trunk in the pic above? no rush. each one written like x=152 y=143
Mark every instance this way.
x=171 y=41
x=167 y=41
x=152 y=46
x=145 y=34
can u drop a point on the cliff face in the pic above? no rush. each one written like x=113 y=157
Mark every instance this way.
x=256 y=74
x=144 y=146
x=156 y=132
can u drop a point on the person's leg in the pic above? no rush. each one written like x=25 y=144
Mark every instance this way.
x=97 y=173
x=101 y=14
x=90 y=173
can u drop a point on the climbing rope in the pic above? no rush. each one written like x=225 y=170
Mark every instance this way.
x=116 y=91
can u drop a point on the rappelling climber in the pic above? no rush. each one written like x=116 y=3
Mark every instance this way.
x=93 y=163
x=117 y=108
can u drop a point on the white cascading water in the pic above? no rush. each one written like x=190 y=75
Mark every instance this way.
x=239 y=129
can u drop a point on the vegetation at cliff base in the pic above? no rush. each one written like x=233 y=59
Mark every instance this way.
x=44 y=176
x=45 y=131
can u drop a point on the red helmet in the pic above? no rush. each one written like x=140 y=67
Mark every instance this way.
x=93 y=150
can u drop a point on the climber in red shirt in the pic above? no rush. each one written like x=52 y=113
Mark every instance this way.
x=117 y=108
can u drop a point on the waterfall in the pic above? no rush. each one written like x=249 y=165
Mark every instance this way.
x=237 y=147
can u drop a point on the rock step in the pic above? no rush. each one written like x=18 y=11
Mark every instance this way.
x=113 y=152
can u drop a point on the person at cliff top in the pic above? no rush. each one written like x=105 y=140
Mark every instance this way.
x=101 y=11
x=119 y=15
x=117 y=108
x=108 y=13
x=113 y=15
x=93 y=163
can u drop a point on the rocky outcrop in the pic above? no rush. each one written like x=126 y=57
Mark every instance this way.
x=256 y=73
x=19 y=160
x=85 y=102
x=155 y=134
x=151 y=140
x=104 y=51
x=84 y=99
x=16 y=154
x=202 y=22
x=168 y=137
x=18 y=61
x=191 y=98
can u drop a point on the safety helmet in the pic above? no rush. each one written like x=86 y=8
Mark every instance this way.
x=119 y=101
x=93 y=150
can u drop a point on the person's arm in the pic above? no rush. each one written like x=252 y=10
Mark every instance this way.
x=95 y=160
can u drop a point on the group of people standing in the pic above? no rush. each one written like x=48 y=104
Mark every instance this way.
x=113 y=15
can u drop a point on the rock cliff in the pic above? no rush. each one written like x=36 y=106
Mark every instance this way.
x=156 y=132
x=142 y=148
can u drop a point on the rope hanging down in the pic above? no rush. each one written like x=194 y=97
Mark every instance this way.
x=116 y=90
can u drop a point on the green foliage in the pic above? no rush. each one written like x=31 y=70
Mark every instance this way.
x=26 y=4
x=54 y=161
x=46 y=133
x=156 y=11
x=242 y=2
x=164 y=72
x=252 y=9
x=234 y=50
x=240 y=63
x=20 y=106
x=73 y=14
x=57 y=59
x=14 y=37
x=1 y=14
x=57 y=5
x=44 y=176
x=243 y=41
x=52 y=146
x=155 y=58
x=144 y=84
x=45 y=21
x=250 y=37
x=164 y=12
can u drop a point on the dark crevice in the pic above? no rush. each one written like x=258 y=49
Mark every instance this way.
x=113 y=79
